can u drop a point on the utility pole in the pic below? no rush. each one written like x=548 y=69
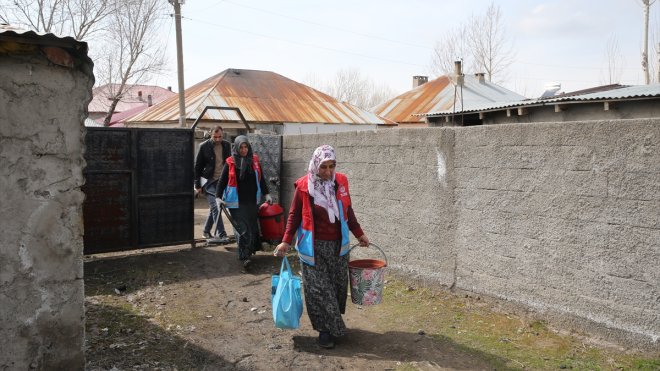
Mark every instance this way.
x=657 y=66
x=645 y=44
x=179 y=61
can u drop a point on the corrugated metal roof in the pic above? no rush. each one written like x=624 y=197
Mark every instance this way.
x=263 y=97
x=11 y=34
x=440 y=95
x=132 y=97
x=636 y=91
x=92 y=123
x=616 y=92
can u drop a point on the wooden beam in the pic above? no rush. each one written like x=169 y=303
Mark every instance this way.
x=482 y=115
x=508 y=112
x=560 y=107
x=522 y=111
x=609 y=106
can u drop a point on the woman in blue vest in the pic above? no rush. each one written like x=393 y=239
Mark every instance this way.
x=321 y=216
x=240 y=188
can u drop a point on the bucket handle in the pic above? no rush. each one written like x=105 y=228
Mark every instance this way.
x=371 y=244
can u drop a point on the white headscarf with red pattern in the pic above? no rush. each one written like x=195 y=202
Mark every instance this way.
x=323 y=191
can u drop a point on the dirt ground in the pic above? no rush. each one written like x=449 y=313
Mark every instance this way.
x=183 y=308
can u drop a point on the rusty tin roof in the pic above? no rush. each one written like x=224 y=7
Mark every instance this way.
x=262 y=97
x=440 y=95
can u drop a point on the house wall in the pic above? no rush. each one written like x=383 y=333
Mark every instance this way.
x=581 y=111
x=42 y=109
x=297 y=128
x=560 y=218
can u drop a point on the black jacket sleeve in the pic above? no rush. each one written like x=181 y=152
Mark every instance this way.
x=200 y=163
x=264 y=185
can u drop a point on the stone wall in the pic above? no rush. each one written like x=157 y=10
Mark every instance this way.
x=562 y=218
x=42 y=108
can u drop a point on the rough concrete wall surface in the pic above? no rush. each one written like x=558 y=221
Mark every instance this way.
x=400 y=189
x=564 y=218
x=42 y=107
x=561 y=218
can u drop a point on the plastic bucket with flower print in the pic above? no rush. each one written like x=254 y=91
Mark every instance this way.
x=367 y=279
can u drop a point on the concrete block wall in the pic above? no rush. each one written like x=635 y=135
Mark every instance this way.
x=42 y=108
x=562 y=218
x=400 y=189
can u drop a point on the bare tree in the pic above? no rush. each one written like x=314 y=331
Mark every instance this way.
x=379 y=93
x=351 y=86
x=451 y=47
x=39 y=15
x=128 y=51
x=613 y=59
x=87 y=16
x=134 y=52
x=487 y=38
x=482 y=43
x=75 y=18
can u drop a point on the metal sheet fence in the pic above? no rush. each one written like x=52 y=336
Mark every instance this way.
x=138 y=188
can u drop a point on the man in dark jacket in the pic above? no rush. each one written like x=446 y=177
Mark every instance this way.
x=208 y=167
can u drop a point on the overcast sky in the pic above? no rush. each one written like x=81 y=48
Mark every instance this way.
x=392 y=40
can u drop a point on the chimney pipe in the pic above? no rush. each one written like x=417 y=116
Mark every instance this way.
x=150 y=101
x=458 y=73
x=140 y=95
x=169 y=88
x=481 y=76
x=419 y=80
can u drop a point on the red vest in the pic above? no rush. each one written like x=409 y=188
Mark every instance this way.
x=230 y=196
x=305 y=234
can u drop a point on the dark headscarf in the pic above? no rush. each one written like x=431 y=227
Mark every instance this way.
x=244 y=164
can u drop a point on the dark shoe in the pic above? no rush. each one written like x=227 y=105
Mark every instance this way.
x=326 y=340
x=246 y=263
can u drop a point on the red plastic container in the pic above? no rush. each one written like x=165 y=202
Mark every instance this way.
x=271 y=221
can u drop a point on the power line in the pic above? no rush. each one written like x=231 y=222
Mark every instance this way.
x=371 y=36
x=304 y=44
x=567 y=66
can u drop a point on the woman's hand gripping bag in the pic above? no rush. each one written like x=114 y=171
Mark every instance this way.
x=287 y=301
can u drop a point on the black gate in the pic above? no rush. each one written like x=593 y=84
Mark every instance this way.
x=138 y=188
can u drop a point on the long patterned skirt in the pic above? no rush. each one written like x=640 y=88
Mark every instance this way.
x=247 y=233
x=326 y=287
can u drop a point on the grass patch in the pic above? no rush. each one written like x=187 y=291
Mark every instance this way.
x=475 y=326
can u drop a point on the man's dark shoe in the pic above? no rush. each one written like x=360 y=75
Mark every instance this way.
x=326 y=340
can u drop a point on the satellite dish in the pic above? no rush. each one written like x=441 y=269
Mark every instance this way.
x=551 y=89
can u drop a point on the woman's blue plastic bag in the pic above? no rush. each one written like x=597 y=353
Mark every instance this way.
x=287 y=299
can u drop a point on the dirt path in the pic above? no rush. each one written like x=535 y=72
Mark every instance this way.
x=221 y=314
x=193 y=309
x=183 y=308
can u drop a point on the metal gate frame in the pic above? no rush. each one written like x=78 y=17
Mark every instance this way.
x=137 y=188
x=269 y=148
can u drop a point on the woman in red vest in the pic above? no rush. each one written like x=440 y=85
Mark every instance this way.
x=240 y=187
x=321 y=216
